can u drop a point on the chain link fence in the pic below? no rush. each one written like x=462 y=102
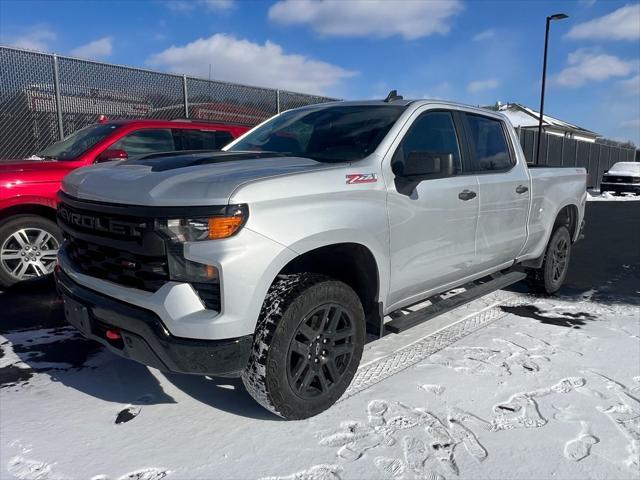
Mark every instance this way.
x=45 y=97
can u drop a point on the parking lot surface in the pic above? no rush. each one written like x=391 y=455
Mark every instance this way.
x=509 y=386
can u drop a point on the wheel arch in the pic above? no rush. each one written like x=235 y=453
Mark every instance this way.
x=39 y=209
x=350 y=262
x=567 y=216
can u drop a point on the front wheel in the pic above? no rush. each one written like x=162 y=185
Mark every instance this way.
x=550 y=277
x=28 y=248
x=307 y=345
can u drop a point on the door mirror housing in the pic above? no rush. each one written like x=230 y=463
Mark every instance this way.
x=112 y=154
x=420 y=165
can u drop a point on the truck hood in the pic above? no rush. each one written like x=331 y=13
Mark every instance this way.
x=182 y=179
x=631 y=169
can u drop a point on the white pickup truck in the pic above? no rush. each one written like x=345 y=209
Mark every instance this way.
x=269 y=260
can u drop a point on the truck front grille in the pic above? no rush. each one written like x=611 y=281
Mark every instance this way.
x=106 y=241
x=617 y=179
x=124 y=268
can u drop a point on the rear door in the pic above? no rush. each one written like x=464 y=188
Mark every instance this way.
x=432 y=228
x=504 y=191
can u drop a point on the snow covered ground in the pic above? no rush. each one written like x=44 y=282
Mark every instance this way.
x=510 y=386
x=596 y=196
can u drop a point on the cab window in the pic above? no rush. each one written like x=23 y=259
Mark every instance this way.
x=487 y=138
x=143 y=142
x=432 y=132
x=203 y=139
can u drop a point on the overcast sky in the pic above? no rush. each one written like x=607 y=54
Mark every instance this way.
x=476 y=52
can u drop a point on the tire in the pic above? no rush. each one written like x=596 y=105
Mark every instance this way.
x=550 y=276
x=289 y=372
x=19 y=260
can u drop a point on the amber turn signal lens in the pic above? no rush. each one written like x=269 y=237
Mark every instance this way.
x=223 y=227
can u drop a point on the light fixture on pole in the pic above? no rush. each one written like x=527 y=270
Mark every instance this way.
x=557 y=16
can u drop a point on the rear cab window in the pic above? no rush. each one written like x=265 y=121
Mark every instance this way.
x=489 y=145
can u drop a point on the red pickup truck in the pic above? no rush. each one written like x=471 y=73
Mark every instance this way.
x=29 y=236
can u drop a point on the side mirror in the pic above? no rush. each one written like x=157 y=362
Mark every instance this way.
x=110 y=155
x=420 y=165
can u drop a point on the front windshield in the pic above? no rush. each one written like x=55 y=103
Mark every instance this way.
x=327 y=134
x=78 y=142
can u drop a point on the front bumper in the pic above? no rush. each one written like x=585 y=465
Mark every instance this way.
x=143 y=336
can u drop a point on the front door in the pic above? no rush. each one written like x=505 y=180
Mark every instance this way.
x=432 y=228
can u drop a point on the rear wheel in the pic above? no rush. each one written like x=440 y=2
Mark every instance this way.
x=550 y=277
x=307 y=345
x=28 y=248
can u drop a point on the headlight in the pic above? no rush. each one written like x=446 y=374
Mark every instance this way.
x=181 y=230
x=207 y=228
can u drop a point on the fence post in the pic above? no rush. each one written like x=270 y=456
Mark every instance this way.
x=186 y=96
x=598 y=166
x=562 y=151
x=56 y=90
x=546 y=148
x=278 y=99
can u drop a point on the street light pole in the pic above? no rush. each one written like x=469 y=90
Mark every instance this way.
x=557 y=16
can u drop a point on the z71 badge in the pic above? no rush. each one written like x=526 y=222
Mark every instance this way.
x=361 y=178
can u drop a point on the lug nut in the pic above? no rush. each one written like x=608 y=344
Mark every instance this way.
x=324 y=340
x=324 y=352
x=309 y=357
x=315 y=361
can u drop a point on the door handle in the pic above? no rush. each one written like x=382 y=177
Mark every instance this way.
x=466 y=195
x=522 y=189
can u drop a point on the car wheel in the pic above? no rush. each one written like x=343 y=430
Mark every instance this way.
x=550 y=277
x=307 y=345
x=28 y=248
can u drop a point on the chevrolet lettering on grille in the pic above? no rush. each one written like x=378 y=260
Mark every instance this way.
x=108 y=225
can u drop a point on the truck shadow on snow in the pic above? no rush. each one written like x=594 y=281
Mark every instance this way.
x=562 y=319
x=36 y=340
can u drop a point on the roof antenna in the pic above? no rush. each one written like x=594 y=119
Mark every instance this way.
x=393 y=95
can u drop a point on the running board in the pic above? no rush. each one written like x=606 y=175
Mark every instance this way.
x=438 y=306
